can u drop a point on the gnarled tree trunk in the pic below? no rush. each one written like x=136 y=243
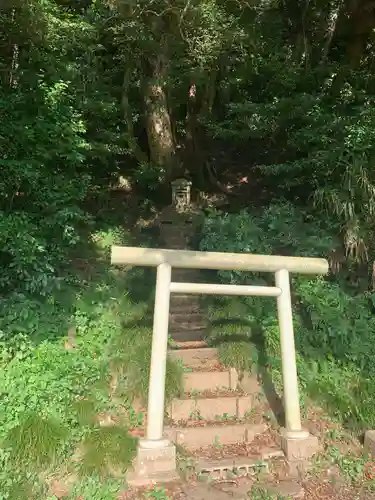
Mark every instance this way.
x=158 y=122
x=355 y=27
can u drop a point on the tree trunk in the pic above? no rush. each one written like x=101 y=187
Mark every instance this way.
x=10 y=49
x=158 y=122
x=355 y=27
x=193 y=156
x=330 y=31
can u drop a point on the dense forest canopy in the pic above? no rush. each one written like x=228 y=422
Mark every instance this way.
x=278 y=91
x=265 y=101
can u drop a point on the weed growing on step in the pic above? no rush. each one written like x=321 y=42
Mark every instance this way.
x=106 y=449
x=225 y=417
x=196 y=415
x=194 y=394
x=238 y=354
x=185 y=462
x=97 y=488
x=249 y=415
x=262 y=494
x=133 y=352
x=352 y=467
x=217 y=443
x=157 y=494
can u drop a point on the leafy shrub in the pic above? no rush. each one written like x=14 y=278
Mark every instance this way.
x=106 y=448
x=310 y=136
x=133 y=353
x=50 y=389
x=39 y=211
x=334 y=327
x=97 y=488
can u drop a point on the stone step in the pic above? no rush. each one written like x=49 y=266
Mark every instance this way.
x=283 y=489
x=171 y=232
x=188 y=275
x=186 y=278
x=228 y=468
x=170 y=229
x=200 y=344
x=176 y=245
x=250 y=384
x=196 y=358
x=243 y=489
x=194 y=438
x=183 y=299
x=210 y=380
x=186 y=309
x=270 y=453
x=181 y=223
x=187 y=319
x=232 y=490
x=168 y=235
x=168 y=241
x=210 y=408
x=184 y=330
x=173 y=240
x=181 y=336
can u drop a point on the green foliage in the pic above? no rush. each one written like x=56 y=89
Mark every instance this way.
x=230 y=329
x=334 y=328
x=133 y=352
x=262 y=494
x=18 y=483
x=53 y=396
x=274 y=101
x=97 y=488
x=238 y=354
x=157 y=494
x=39 y=210
x=107 y=448
x=47 y=148
x=45 y=382
x=319 y=141
x=352 y=467
x=35 y=440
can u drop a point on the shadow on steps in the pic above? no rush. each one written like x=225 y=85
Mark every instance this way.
x=262 y=372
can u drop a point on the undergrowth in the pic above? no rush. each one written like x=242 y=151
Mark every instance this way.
x=261 y=494
x=74 y=363
x=333 y=320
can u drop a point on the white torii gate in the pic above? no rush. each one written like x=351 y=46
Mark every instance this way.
x=154 y=449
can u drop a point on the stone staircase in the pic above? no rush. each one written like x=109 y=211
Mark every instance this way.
x=217 y=421
x=187 y=323
x=186 y=320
